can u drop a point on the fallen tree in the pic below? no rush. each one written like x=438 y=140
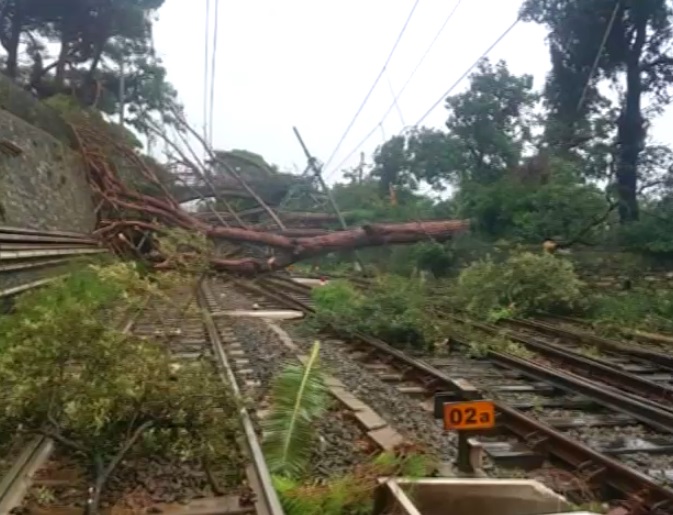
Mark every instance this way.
x=271 y=189
x=303 y=219
x=126 y=215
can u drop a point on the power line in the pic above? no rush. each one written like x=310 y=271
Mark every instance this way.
x=444 y=95
x=378 y=78
x=205 y=71
x=212 y=74
x=599 y=53
x=397 y=105
x=465 y=74
x=407 y=82
x=430 y=47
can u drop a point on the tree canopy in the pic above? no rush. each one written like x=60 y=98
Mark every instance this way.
x=99 y=42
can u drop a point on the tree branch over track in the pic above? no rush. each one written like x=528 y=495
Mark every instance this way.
x=125 y=213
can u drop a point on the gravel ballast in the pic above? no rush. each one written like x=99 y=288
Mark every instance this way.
x=342 y=443
x=403 y=413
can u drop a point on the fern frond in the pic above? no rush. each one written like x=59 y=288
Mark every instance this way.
x=298 y=397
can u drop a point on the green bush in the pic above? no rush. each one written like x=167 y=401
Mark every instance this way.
x=648 y=310
x=521 y=285
x=395 y=309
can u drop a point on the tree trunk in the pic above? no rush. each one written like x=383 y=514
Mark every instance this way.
x=302 y=248
x=631 y=132
x=93 y=506
x=62 y=60
x=296 y=218
x=14 y=39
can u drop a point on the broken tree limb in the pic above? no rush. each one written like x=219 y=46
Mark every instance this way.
x=305 y=219
x=367 y=236
x=126 y=215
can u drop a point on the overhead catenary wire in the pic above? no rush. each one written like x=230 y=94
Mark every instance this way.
x=608 y=30
x=396 y=103
x=205 y=70
x=435 y=104
x=376 y=81
x=213 y=68
x=467 y=72
x=396 y=98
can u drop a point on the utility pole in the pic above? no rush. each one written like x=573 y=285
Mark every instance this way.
x=122 y=91
x=317 y=171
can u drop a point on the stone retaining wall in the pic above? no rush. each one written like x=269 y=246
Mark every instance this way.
x=42 y=181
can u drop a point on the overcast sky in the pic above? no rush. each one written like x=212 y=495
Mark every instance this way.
x=310 y=63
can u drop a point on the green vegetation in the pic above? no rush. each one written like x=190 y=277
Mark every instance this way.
x=525 y=164
x=93 y=37
x=408 y=313
x=522 y=285
x=299 y=397
x=644 y=309
x=394 y=309
x=67 y=371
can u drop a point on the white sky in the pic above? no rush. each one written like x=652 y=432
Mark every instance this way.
x=310 y=63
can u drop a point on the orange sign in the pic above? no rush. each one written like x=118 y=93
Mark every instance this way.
x=464 y=416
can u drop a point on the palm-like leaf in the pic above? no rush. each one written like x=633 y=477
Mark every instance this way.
x=298 y=397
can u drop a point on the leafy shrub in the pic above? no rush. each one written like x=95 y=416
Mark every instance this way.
x=66 y=372
x=649 y=310
x=521 y=285
x=351 y=494
x=395 y=309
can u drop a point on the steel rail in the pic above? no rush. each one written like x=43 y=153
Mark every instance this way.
x=258 y=473
x=631 y=334
x=38 y=238
x=43 y=246
x=17 y=480
x=34 y=264
x=42 y=232
x=10 y=292
x=660 y=358
x=587 y=366
x=289 y=284
x=278 y=296
x=646 y=413
x=32 y=254
x=640 y=490
x=543 y=438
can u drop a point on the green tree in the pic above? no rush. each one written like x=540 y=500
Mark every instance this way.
x=391 y=166
x=560 y=206
x=635 y=51
x=19 y=17
x=489 y=125
x=94 y=37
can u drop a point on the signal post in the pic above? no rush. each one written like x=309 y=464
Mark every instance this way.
x=467 y=417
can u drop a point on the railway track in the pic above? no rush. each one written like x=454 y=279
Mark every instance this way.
x=188 y=337
x=630 y=337
x=545 y=415
x=30 y=258
x=633 y=368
